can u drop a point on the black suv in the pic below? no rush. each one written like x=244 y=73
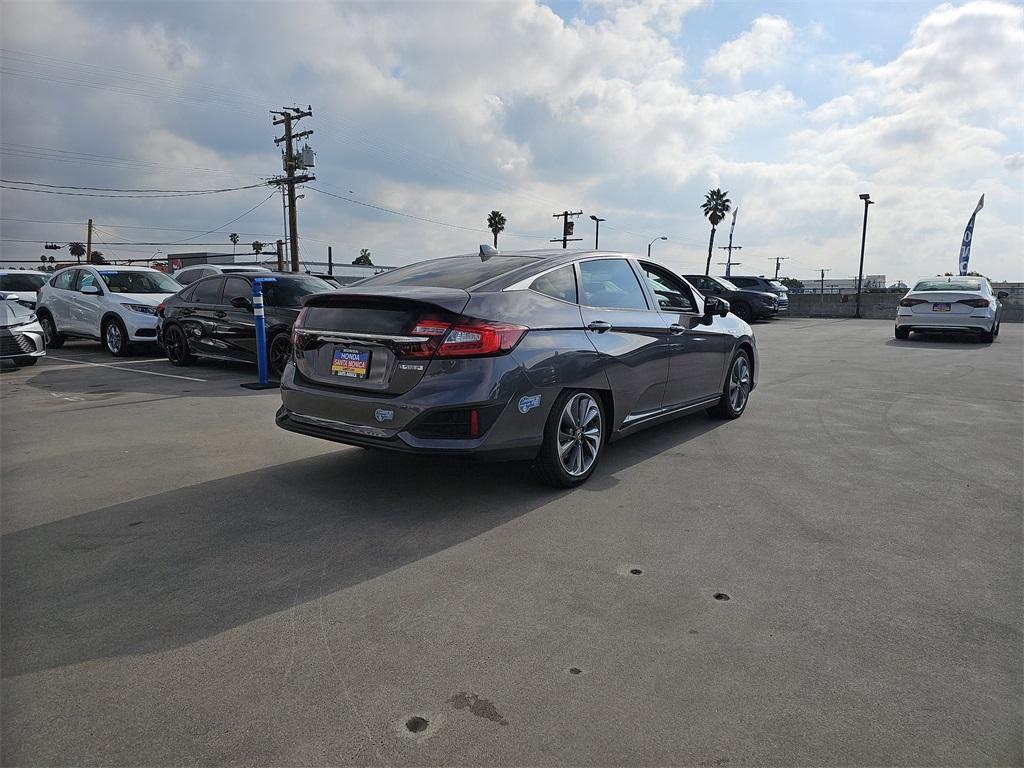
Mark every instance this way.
x=745 y=304
x=213 y=317
x=765 y=285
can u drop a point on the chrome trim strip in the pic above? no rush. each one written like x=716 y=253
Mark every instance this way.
x=631 y=420
x=348 y=336
x=358 y=429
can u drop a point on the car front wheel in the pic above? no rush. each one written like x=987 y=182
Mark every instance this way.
x=115 y=337
x=53 y=339
x=574 y=437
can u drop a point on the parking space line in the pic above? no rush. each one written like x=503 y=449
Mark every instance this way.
x=121 y=368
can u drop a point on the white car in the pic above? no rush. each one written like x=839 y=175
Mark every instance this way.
x=953 y=304
x=21 y=338
x=115 y=305
x=22 y=282
x=188 y=275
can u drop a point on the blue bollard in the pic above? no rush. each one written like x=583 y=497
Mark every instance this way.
x=261 y=334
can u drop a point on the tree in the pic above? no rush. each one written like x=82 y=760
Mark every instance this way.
x=715 y=206
x=77 y=250
x=363 y=259
x=792 y=283
x=257 y=247
x=496 y=223
x=97 y=258
x=233 y=237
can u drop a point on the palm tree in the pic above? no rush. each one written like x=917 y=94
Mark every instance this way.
x=363 y=259
x=496 y=223
x=715 y=206
x=257 y=247
x=233 y=237
x=77 y=250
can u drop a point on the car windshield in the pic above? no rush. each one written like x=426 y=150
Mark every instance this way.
x=456 y=272
x=21 y=282
x=288 y=291
x=729 y=286
x=952 y=284
x=139 y=282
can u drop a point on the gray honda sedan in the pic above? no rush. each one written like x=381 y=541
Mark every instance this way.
x=539 y=355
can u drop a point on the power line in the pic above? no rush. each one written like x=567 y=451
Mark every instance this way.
x=109 y=189
x=242 y=215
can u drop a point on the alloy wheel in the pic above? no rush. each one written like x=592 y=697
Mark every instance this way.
x=49 y=331
x=579 y=434
x=174 y=343
x=739 y=383
x=113 y=337
x=280 y=351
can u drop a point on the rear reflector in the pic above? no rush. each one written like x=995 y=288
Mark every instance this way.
x=912 y=302
x=974 y=302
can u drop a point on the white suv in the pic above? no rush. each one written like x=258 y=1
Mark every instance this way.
x=115 y=305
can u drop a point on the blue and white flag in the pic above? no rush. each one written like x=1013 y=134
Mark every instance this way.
x=965 y=246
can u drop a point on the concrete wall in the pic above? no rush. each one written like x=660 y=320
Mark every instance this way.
x=879 y=306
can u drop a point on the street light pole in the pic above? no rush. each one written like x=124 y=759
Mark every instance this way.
x=863 y=237
x=597 y=229
x=652 y=243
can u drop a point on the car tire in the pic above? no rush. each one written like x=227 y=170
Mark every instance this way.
x=176 y=347
x=902 y=333
x=574 y=438
x=987 y=337
x=25 y=362
x=742 y=310
x=995 y=331
x=115 y=337
x=53 y=339
x=736 y=390
x=279 y=351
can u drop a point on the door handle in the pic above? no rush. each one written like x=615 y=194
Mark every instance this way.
x=600 y=326
x=676 y=329
x=220 y=314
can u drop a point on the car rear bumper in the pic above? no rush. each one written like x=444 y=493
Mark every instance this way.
x=976 y=322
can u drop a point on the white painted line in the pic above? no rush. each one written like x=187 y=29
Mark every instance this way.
x=119 y=368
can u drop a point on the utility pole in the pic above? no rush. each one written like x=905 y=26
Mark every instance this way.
x=778 y=262
x=288 y=117
x=597 y=230
x=732 y=227
x=567 y=227
x=330 y=261
x=823 y=271
x=280 y=255
x=88 y=244
x=729 y=263
x=863 y=236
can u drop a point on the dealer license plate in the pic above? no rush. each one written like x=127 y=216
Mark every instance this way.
x=350 y=363
x=941 y=307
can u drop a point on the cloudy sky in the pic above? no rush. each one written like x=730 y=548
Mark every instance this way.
x=443 y=111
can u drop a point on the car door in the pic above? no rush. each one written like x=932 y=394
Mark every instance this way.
x=700 y=347
x=631 y=336
x=85 y=309
x=201 y=317
x=237 y=328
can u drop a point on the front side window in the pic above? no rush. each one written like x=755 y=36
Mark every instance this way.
x=208 y=291
x=611 y=284
x=138 y=282
x=87 y=279
x=558 y=284
x=65 y=279
x=21 y=282
x=673 y=294
x=236 y=287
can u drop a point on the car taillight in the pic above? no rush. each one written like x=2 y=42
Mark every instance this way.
x=974 y=302
x=912 y=302
x=299 y=339
x=465 y=338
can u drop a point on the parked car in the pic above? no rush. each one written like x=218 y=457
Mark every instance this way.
x=539 y=355
x=188 y=275
x=22 y=282
x=951 y=304
x=115 y=305
x=21 y=336
x=746 y=305
x=214 y=317
x=764 y=285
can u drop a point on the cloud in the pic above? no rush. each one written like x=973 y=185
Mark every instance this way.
x=760 y=48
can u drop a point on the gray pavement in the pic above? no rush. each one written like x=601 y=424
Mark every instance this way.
x=184 y=583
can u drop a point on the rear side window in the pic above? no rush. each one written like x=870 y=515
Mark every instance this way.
x=63 y=280
x=610 y=283
x=23 y=282
x=455 y=272
x=189 y=276
x=744 y=282
x=235 y=287
x=208 y=291
x=558 y=284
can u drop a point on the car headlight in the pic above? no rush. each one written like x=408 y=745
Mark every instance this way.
x=23 y=323
x=140 y=308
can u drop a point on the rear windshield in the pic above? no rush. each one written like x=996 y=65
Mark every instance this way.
x=139 y=282
x=288 y=291
x=953 y=284
x=22 y=282
x=456 y=272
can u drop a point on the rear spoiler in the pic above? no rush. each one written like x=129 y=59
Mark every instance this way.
x=450 y=299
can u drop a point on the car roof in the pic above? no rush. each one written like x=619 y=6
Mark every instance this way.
x=110 y=267
x=8 y=271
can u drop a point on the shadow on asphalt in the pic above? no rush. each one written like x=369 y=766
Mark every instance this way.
x=176 y=567
x=938 y=340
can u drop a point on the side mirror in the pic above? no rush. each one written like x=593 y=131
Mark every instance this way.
x=240 y=302
x=715 y=306
x=91 y=290
x=1002 y=295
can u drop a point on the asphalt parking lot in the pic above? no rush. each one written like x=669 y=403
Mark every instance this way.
x=185 y=583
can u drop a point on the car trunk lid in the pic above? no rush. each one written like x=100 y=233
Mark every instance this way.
x=951 y=302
